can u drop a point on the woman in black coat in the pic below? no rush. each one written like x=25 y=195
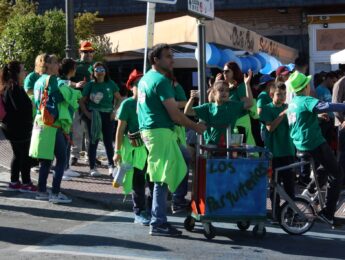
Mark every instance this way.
x=17 y=124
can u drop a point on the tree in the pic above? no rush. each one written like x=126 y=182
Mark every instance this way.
x=27 y=34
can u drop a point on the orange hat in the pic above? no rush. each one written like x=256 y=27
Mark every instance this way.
x=134 y=76
x=86 y=46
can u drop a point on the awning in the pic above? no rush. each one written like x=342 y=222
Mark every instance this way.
x=183 y=30
x=338 y=57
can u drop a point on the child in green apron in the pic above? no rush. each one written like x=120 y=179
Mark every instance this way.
x=132 y=153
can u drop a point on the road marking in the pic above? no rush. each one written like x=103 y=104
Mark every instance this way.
x=35 y=249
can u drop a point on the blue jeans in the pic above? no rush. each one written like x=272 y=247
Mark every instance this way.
x=159 y=207
x=107 y=131
x=60 y=155
x=182 y=189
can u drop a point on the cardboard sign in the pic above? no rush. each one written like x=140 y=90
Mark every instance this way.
x=236 y=187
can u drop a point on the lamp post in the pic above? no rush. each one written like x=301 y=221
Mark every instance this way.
x=70 y=53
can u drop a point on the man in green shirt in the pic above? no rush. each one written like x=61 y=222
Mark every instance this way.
x=278 y=140
x=82 y=76
x=158 y=113
x=307 y=137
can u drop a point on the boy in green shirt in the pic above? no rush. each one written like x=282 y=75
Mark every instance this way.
x=307 y=137
x=264 y=98
x=278 y=139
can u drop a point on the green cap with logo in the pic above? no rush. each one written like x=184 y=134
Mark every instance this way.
x=297 y=81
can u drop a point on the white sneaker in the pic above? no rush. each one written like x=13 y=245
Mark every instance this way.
x=66 y=178
x=71 y=173
x=309 y=195
x=59 y=198
x=111 y=170
x=95 y=173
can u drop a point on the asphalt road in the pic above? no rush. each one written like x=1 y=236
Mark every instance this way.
x=31 y=229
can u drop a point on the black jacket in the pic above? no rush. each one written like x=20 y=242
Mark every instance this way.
x=18 y=121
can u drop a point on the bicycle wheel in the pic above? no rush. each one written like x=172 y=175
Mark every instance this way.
x=291 y=222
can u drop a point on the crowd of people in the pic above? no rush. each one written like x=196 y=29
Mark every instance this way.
x=52 y=111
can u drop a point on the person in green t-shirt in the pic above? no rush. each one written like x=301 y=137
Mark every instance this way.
x=158 y=113
x=307 y=137
x=99 y=99
x=239 y=90
x=278 y=140
x=264 y=98
x=218 y=115
x=136 y=156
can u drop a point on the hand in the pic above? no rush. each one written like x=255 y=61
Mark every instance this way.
x=248 y=77
x=219 y=77
x=283 y=113
x=200 y=128
x=194 y=94
x=80 y=84
x=117 y=159
x=324 y=116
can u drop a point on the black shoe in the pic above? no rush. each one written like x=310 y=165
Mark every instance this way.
x=326 y=217
x=74 y=161
x=164 y=230
x=304 y=181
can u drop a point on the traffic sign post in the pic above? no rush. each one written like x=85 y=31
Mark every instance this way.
x=170 y=2
x=201 y=8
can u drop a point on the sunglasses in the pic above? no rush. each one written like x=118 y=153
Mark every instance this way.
x=87 y=51
x=99 y=69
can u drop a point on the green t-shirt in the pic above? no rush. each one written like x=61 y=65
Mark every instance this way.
x=236 y=94
x=101 y=95
x=279 y=141
x=180 y=95
x=304 y=124
x=218 y=118
x=153 y=89
x=263 y=100
x=30 y=80
x=53 y=90
x=128 y=112
x=83 y=72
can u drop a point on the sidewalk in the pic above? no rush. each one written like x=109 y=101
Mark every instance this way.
x=96 y=189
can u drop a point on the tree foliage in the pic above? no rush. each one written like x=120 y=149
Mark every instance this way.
x=25 y=33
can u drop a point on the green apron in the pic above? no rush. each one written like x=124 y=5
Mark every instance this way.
x=165 y=163
x=134 y=156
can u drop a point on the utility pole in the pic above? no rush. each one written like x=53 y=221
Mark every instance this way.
x=70 y=41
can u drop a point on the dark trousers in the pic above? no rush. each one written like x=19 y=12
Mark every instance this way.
x=324 y=155
x=60 y=155
x=107 y=131
x=21 y=162
x=140 y=201
x=341 y=145
x=287 y=177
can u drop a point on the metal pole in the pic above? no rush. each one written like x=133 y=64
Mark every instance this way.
x=201 y=61
x=150 y=23
x=70 y=53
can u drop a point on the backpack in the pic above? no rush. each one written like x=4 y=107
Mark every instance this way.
x=2 y=109
x=47 y=107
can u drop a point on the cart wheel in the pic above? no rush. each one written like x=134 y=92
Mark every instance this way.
x=294 y=224
x=189 y=223
x=209 y=231
x=243 y=225
x=258 y=233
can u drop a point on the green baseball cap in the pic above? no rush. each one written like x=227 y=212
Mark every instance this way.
x=297 y=81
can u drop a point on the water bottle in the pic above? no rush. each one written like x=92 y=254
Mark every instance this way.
x=119 y=174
